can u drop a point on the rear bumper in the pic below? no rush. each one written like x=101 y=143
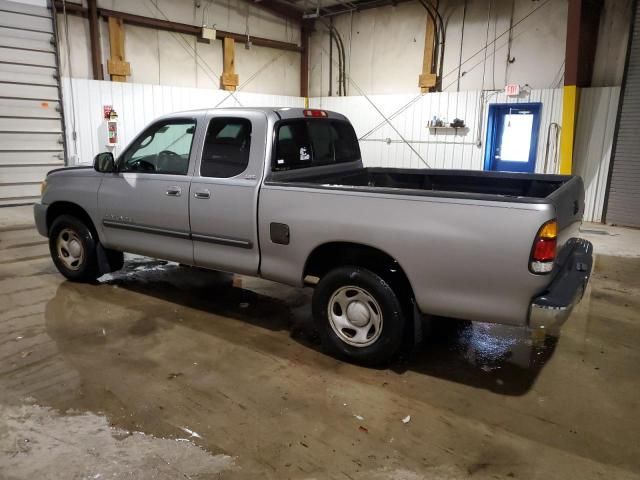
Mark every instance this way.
x=551 y=309
x=40 y=216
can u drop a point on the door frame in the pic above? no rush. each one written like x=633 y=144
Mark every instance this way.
x=495 y=111
x=217 y=249
x=161 y=239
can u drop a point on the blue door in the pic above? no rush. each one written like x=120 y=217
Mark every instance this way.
x=512 y=137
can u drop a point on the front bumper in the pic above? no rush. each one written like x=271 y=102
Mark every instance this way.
x=40 y=216
x=551 y=309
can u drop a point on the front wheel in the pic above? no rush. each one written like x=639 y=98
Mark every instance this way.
x=73 y=249
x=359 y=316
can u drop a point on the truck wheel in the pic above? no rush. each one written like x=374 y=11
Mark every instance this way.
x=358 y=315
x=73 y=249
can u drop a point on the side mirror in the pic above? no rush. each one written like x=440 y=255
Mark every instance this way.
x=104 y=162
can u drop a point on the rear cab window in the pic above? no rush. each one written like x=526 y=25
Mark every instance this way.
x=310 y=142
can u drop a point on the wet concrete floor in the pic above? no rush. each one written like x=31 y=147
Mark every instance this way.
x=161 y=371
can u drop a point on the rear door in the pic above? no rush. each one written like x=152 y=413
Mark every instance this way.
x=224 y=192
x=145 y=205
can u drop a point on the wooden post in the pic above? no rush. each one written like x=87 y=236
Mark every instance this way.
x=229 y=78
x=427 y=78
x=116 y=65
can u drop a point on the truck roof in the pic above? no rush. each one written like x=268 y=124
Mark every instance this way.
x=279 y=112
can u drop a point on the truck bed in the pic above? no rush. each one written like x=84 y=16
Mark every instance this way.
x=450 y=181
x=565 y=192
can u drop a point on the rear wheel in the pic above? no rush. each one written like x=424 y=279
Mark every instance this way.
x=359 y=316
x=73 y=249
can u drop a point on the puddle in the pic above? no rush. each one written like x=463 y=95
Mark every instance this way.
x=498 y=358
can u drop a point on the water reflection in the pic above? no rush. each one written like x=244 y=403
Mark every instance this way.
x=495 y=357
x=500 y=358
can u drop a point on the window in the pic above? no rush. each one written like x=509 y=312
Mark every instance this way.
x=163 y=148
x=226 y=148
x=516 y=137
x=313 y=142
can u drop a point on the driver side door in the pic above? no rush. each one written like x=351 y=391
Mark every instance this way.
x=144 y=205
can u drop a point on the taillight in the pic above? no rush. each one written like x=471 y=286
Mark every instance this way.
x=314 y=113
x=543 y=252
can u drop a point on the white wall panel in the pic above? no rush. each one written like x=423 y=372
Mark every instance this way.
x=142 y=51
x=409 y=115
x=137 y=105
x=267 y=70
x=594 y=138
x=75 y=59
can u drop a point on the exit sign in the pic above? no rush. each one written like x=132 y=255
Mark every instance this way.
x=512 y=90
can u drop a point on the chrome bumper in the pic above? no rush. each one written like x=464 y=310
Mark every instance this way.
x=40 y=216
x=551 y=309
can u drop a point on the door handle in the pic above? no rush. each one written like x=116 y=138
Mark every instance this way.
x=202 y=194
x=174 y=191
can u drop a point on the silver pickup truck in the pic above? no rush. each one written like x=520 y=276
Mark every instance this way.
x=282 y=193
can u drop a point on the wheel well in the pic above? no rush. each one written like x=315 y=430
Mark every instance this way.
x=67 y=208
x=331 y=255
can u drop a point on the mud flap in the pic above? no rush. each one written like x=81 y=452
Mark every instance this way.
x=103 y=260
x=415 y=331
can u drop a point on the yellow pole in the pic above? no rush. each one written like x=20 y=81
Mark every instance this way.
x=570 y=99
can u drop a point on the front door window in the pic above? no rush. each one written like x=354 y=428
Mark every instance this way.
x=163 y=148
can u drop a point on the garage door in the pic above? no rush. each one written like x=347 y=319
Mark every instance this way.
x=623 y=206
x=31 y=139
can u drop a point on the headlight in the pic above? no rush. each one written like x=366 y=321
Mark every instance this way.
x=43 y=187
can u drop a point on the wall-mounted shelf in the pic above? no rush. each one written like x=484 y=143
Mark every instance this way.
x=454 y=130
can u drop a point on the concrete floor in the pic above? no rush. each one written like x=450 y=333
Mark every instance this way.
x=164 y=372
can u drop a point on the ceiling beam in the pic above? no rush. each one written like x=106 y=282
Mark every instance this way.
x=279 y=9
x=357 y=6
x=167 y=25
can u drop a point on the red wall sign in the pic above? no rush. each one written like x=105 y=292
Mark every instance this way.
x=512 y=90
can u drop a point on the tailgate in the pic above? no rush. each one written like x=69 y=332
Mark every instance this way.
x=568 y=201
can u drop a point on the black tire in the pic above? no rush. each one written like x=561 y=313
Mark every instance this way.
x=390 y=336
x=85 y=269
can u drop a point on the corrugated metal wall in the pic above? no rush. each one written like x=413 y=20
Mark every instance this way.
x=137 y=105
x=409 y=114
x=623 y=206
x=592 y=150
x=30 y=115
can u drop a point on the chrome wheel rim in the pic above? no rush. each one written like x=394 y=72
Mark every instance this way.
x=355 y=316
x=70 y=249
